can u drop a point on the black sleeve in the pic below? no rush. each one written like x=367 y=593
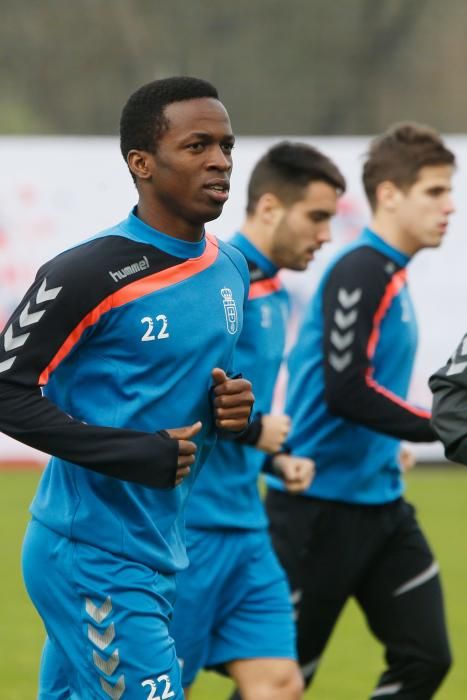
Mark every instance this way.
x=355 y=294
x=449 y=414
x=64 y=293
x=249 y=436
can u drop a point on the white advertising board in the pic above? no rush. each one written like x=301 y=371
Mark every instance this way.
x=55 y=192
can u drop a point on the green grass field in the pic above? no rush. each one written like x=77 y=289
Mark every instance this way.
x=353 y=659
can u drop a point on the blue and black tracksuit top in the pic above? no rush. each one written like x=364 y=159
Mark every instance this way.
x=113 y=343
x=226 y=493
x=349 y=374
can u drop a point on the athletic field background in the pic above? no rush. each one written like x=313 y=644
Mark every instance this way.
x=353 y=659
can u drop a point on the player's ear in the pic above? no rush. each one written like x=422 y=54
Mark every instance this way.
x=269 y=209
x=139 y=163
x=387 y=195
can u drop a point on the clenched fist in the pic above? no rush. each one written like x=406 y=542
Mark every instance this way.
x=186 y=448
x=406 y=459
x=233 y=400
x=274 y=431
x=296 y=472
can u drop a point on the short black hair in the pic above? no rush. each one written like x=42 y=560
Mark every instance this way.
x=143 y=121
x=400 y=153
x=287 y=168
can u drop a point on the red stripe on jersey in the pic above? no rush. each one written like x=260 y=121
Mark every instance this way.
x=392 y=290
x=394 y=398
x=132 y=291
x=264 y=287
x=394 y=286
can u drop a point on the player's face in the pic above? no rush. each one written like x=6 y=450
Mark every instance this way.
x=423 y=211
x=190 y=171
x=304 y=227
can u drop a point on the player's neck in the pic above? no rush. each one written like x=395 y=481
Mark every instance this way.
x=392 y=233
x=171 y=225
x=258 y=236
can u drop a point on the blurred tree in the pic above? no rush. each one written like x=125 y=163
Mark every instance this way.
x=297 y=67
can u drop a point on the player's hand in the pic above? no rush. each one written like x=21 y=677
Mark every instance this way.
x=297 y=472
x=186 y=448
x=406 y=459
x=274 y=431
x=233 y=400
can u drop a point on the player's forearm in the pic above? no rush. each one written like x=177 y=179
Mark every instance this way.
x=144 y=458
x=380 y=410
x=357 y=292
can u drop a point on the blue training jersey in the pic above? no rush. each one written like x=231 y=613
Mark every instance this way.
x=115 y=342
x=226 y=493
x=349 y=374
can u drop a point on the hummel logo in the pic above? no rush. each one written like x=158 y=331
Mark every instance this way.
x=130 y=270
x=114 y=691
x=98 y=613
x=343 y=336
x=101 y=640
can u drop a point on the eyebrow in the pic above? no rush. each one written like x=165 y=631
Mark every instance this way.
x=321 y=212
x=438 y=188
x=208 y=136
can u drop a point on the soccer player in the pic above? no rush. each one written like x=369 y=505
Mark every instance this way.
x=352 y=533
x=116 y=363
x=233 y=609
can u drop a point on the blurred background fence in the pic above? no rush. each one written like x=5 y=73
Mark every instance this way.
x=56 y=192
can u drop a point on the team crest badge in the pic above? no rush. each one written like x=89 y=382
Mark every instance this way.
x=230 y=309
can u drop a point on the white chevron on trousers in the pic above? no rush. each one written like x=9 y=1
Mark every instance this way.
x=296 y=596
x=107 y=666
x=429 y=573
x=309 y=668
x=348 y=299
x=103 y=640
x=98 y=614
x=114 y=691
x=390 y=689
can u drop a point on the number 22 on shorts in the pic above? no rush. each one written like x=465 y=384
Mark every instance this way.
x=154 y=688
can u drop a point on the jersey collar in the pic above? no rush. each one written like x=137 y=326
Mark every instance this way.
x=369 y=236
x=253 y=255
x=139 y=231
